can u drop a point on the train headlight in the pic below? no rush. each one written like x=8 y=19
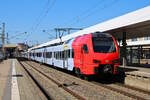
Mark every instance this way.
x=116 y=61
x=96 y=61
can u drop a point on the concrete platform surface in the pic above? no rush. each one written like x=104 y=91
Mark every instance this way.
x=137 y=77
x=15 y=84
x=5 y=74
x=27 y=88
x=141 y=71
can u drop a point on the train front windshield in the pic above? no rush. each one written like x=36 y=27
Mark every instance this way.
x=103 y=43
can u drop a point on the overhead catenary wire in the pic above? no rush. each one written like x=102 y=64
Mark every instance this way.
x=40 y=15
x=102 y=9
x=95 y=5
x=87 y=12
x=49 y=32
x=45 y=14
x=92 y=12
x=41 y=18
x=31 y=29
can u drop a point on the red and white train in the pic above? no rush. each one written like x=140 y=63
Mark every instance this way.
x=89 y=54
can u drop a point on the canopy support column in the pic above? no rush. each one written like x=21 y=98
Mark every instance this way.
x=124 y=48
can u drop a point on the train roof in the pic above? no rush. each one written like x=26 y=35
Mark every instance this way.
x=127 y=20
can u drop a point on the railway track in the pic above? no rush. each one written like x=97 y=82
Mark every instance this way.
x=125 y=90
x=48 y=96
x=36 y=82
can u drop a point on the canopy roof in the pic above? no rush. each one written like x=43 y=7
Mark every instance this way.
x=135 y=24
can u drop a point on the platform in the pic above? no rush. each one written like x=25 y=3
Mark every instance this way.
x=139 y=71
x=137 y=77
x=5 y=79
x=15 y=83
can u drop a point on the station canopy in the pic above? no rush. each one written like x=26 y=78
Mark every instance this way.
x=10 y=45
x=135 y=24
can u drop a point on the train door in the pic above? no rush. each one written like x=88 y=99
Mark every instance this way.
x=44 y=55
x=65 y=60
x=81 y=59
x=52 y=57
x=34 y=55
x=84 y=56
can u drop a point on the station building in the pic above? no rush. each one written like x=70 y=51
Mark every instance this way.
x=138 y=51
x=13 y=50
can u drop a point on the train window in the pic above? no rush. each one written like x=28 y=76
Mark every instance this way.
x=103 y=44
x=59 y=55
x=69 y=53
x=39 y=54
x=54 y=55
x=85 y=48
x=72 y=53
x=49 y=54
x=63 y=54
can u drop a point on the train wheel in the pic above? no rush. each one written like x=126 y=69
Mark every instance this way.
x=79 y=75
x=87 y=78
x=77 y=71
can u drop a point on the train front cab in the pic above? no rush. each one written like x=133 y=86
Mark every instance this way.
x=96 y=53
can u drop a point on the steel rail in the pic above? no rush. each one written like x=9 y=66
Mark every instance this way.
x=58 y=84
x=46 y=94
x=120 y=91
x=134 y=88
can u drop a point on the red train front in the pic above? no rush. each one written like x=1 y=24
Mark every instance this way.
x=95 y=53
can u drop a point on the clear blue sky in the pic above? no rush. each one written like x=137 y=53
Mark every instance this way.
x=33 y=16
